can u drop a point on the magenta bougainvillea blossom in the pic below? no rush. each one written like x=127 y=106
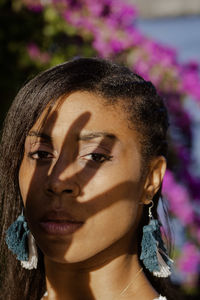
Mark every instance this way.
x=35 y=53
x=189 y=261
x=109 y=26
x=178 y=199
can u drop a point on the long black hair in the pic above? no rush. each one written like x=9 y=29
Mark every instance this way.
x=145 y=111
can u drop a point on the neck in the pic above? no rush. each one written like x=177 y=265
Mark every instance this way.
x=102 y=280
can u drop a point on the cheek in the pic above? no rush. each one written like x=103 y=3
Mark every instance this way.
x=24 y=181
x=112 y=213
x=115 y=182
x=115 y=220
x=30 y=183
x=26 y=175
x=109 y=224
x=112 y=205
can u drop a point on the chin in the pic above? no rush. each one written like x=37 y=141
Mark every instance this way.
x=63 y=253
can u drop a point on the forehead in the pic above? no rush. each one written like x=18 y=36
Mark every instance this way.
x=82 y=112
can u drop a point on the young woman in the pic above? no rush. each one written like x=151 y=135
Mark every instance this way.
x=83 y=157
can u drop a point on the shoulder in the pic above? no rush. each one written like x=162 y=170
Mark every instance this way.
x=161 y=298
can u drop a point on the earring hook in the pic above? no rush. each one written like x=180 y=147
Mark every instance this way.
x=150 y=212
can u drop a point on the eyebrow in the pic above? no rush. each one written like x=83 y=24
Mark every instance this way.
x=93 y=135
x=41 y=135
x=82 y=137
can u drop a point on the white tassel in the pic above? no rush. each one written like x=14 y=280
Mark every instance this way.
x=164 y=268
x=33 y=255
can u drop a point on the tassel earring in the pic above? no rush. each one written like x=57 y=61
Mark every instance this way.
x=154 y=254
x=22 y=243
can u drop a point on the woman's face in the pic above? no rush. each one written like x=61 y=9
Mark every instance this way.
x=81 y=179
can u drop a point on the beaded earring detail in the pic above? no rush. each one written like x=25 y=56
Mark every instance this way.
x=22 y=243
x=154 y=254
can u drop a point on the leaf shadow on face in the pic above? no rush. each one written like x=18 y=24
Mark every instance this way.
x=115 y=194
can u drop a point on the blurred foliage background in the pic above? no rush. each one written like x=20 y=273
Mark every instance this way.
x=35 y=35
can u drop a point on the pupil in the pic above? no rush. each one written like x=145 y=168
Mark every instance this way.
x=42 y=154
x=97 y=157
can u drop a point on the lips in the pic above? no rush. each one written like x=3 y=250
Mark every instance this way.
x=59 y=223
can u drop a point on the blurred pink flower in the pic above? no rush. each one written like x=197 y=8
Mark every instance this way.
x=134 y=36
x=34 y=5
x=102 y=48
x=35 y=53
x=116 y=45
x=198 y=235
x=178 y=198
x=95 y=7
x=189 y=260
x=191 y=82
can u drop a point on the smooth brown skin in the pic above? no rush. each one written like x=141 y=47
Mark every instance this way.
x=100 y=259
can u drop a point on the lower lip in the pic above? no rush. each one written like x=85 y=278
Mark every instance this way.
x=60 y=228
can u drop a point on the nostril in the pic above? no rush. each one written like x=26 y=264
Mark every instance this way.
x=68 y=191
x=65 y=188
x=50 y=191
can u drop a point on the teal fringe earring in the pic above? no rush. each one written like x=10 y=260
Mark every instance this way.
x=154 y=254
x=21 y=242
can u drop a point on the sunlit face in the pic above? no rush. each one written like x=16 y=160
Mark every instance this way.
x=81 y=179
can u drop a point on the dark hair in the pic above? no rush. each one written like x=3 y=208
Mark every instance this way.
x=145 y=110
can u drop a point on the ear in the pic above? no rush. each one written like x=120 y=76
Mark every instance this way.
x=154 y=178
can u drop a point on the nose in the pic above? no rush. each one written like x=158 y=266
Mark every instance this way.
x=62 y=182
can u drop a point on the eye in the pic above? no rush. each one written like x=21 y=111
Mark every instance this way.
x=97 y=157
x=40 y=155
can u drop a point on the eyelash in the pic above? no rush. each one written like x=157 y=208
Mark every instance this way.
x=96 y=157
x=40 y=152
